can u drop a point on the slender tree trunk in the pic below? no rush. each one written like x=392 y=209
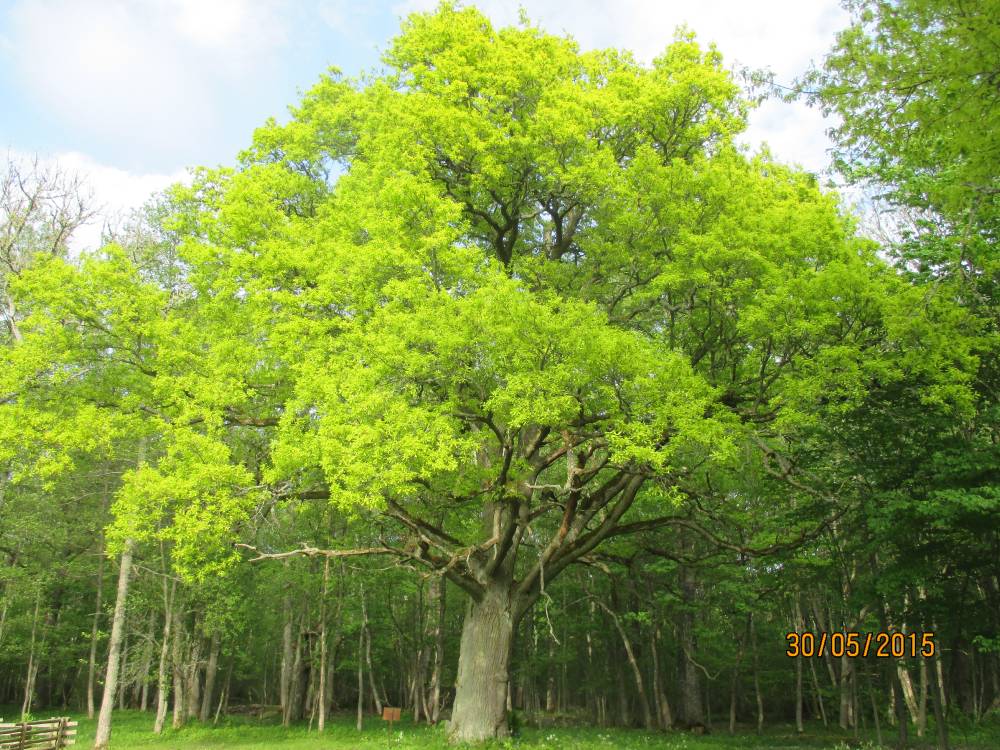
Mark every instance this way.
x=817 y=691
x=647 y=716
x=29 y=681
x=95 y=627
x=906 y=685
x=483 y=666
x=735 y=678
x=937 y=702
x=224 y=695
x=692 y=709
x=3 y=611
x=287 y=655
x=321 y=698
x=210 y=673
x=147 y=662
x=178 y=669
x=123 y=673
x=875 y=718
x=922 y=703
x=899 y=708
x=939 y=671
x=103 y=733
x=162 y=678
x=361 y=677
x=192 y=675
x=376 y=698
x=663 y=713
x=798 y=670
x=295 y=692
x=434 y=709
x=624 y=714
x=756 y=677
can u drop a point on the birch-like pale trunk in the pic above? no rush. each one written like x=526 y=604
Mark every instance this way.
x=162 y=679
x=640 y=686
x=102 y=735
x=361 y=678
x=29 y=681
x=177 y=653
x=321 y=698
x=94 y=627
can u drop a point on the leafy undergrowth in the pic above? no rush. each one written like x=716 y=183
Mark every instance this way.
x=133 y=729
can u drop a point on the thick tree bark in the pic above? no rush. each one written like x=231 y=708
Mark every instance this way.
x=480 y=711
x=103 y=732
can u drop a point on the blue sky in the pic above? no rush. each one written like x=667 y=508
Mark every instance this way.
x=132 y=92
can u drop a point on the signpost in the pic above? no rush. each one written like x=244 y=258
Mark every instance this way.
x=391 y=714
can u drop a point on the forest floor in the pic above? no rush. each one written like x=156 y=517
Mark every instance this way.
x=133 y=729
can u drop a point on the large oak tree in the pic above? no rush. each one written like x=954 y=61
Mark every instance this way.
x=504 y=301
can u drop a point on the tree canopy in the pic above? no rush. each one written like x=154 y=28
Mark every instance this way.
x=506 y=309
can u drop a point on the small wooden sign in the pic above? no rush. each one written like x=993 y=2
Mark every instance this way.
x=391 y=714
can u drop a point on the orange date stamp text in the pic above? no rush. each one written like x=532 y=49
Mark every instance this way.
x=885 y=645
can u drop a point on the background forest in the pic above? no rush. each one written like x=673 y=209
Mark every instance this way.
x=503 y=386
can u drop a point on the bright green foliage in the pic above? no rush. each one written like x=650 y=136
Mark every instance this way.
x=490 y=311
x=916 y=84
x=531 y=250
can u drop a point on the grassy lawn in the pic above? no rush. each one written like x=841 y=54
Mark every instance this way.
x=133 y=729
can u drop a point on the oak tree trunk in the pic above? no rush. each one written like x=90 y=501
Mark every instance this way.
x=480 y=710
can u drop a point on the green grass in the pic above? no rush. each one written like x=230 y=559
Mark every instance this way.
x=133 y=730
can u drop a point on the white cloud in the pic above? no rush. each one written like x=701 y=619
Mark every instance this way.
x=146 y=75
x=782 y=35
x=240 y=27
